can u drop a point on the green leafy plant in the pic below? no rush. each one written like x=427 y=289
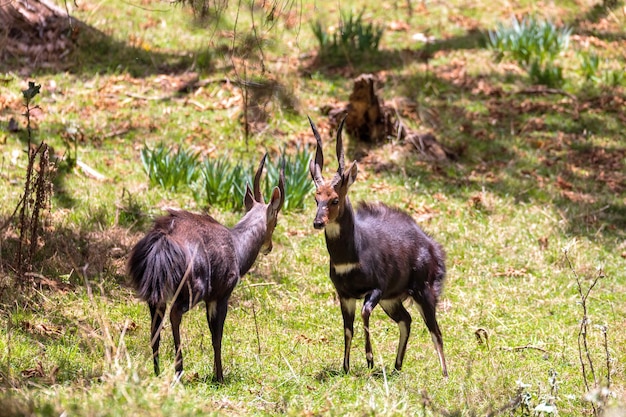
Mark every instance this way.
x=354 y=38
x=549 y=75
x=534 y=45
x=169 y=168
x=592 y=71
x=589 y=66
x=298 y=185
x=70 y=140
x=613 y=78
x=223 y=183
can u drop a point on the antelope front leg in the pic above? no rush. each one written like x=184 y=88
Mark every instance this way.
x=371 y=300
x=348 y=307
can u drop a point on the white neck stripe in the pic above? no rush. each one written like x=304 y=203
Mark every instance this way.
x=333 y=230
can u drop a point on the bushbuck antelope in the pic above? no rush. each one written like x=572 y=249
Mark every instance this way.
x=377 y=253
x=188 y=258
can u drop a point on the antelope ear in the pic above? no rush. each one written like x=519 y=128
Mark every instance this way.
x=275 y=202
x=248 y=199
x=349 y=176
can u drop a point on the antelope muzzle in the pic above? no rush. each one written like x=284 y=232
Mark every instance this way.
x=321 y=218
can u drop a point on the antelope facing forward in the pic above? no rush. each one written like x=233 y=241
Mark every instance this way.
x=377 y=253
x=189 y=258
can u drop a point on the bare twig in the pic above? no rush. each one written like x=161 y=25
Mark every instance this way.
x=516 y=348
x=584 y=354
x=605 y=342
x=552 y=91
x=8 y=221
x=146 y=98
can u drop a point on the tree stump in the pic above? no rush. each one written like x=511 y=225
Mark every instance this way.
x=369 y=120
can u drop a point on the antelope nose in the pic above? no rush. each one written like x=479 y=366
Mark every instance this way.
x=318 y=224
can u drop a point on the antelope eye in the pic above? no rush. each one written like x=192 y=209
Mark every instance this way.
x=335 y=202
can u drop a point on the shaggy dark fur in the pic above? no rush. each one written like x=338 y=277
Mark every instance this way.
x=187 y=258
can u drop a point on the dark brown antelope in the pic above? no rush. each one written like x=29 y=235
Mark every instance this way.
x=188 y=258
x=376 y=253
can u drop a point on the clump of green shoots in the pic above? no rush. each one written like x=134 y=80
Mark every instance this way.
x=223 y=183
x=354 y=38
x=219 y=182
x=535 y=45
x=298 y=185
x=169 y=168
x=594 y=72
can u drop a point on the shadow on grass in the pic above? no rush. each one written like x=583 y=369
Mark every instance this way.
x=95 y=52
x=386 y=59
x=66 y=256
x=596 y=14
x=329 y=372
x=98 y=53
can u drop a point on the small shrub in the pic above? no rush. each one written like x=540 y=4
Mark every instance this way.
x=534 y=45
x=168 y=168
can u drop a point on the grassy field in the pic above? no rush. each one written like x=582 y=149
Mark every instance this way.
x=531 y=214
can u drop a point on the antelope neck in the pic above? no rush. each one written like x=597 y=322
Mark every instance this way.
x=340 y=240
x=248 y=237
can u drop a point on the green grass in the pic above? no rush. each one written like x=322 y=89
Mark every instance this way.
x=537 y=175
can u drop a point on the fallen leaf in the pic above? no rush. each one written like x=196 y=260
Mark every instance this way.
x=36 y=372
x=398 y=26
x=578 y=197
x=563 y=184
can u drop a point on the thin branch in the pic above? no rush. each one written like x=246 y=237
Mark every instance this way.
x=604 y=330
x=8 y=221
x=583 y=347
x=517 y=348
x=553 y=91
